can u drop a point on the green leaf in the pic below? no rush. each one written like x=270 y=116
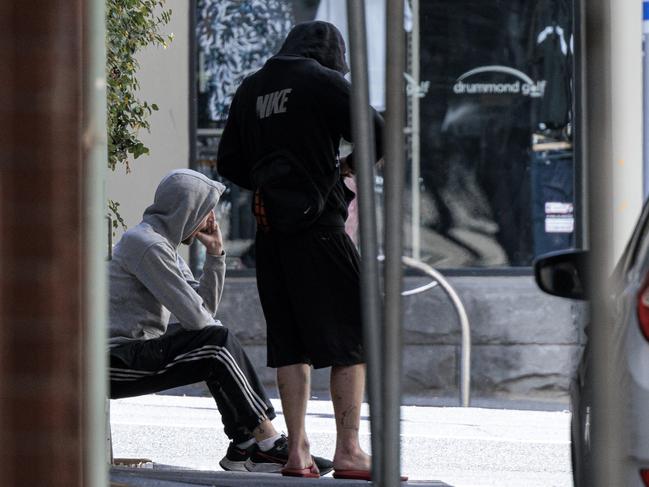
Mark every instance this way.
x=131 y=25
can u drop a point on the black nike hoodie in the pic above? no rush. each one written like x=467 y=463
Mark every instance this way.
x=299 y=102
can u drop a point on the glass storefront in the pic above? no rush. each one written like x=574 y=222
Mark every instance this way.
x=491 y=174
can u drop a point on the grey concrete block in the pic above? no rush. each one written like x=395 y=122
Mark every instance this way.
x=524 y=341
x=513 y=310
x=320 y=381
x=240 y=310
x=523 y=369
x=429 y=369
x=501 y=310
x=429 y=317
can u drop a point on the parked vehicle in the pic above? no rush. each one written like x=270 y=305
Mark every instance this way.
x=564 y=274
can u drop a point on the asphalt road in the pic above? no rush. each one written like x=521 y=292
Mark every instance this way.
x=457 y=446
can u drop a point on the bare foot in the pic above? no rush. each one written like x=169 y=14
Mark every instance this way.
x=299 y=456
x=302 y=463
x=352 y=461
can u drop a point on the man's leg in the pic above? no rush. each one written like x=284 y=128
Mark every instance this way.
x=244 y=441
x=294 y=383
x=234 y=426
x=347 y=386
x=212 y=354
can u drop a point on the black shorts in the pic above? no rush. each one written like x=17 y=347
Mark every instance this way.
x=309 y=286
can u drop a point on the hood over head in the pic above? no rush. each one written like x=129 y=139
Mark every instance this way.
x=183 y=199
x=317 y=40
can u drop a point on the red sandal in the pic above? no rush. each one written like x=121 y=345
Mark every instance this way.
x=308 y=472
x=358 y=475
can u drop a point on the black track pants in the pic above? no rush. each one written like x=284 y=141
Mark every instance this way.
x=182 y=357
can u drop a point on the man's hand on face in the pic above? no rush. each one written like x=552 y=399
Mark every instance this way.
x=210 y=236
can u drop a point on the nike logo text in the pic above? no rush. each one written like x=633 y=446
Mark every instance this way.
x=272 y=103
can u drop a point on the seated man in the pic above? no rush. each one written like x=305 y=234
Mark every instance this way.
x=149 y=284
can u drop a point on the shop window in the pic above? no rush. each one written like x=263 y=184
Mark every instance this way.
x=498 y=178
x=491 y=167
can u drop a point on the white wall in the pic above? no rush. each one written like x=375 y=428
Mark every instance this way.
x=164 y=80
x=626 y=118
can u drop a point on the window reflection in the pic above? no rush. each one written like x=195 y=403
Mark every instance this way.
x=496 y=131
x=494 y=176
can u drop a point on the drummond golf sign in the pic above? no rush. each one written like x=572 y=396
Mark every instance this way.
x=520 y=83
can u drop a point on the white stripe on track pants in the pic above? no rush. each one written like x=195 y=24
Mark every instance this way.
x=182 y=357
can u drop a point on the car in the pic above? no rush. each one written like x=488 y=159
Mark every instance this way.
x=564 y=274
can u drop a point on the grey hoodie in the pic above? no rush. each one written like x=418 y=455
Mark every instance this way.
x=148 y=280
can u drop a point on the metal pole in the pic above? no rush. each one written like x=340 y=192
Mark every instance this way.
x=394 y=182
x=606 y=429
x=579 y=102
x=195 y=247
x=645 y=98
x=415 y=134
x=96 y=380
x=109 y=253
x=365 y=157
x=465 y=327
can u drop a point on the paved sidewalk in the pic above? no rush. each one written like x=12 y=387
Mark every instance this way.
x=441 y=446
x=166 y=477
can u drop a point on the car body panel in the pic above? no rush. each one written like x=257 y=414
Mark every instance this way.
x=632 y=351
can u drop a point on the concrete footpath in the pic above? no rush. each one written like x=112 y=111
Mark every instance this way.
x=441 y=446
x=167 y=477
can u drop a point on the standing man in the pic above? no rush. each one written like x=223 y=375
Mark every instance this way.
x=149 y=283
x=281 y=140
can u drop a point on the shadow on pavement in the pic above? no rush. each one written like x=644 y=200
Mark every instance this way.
x=168 y=476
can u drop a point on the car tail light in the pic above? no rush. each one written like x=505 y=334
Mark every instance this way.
x=645 y=477
x=643 y=309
